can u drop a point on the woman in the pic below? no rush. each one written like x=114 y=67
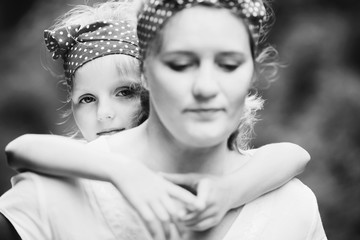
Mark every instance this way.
x=199 y=84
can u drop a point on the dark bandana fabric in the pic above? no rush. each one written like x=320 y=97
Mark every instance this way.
x=77 y=46
x=156 y=12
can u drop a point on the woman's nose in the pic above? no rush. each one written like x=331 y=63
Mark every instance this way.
x=205 y=84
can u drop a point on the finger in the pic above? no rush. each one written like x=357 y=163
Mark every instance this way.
x=186 y=179
x=192 y=220
x=191 y=215
x=204 y=188
x=204 y=224
x=179 y=229
x=164 y=218
x=150 y=220
x=175 y=212
x=184 y=196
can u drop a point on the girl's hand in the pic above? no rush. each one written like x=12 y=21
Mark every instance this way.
x=153 y=197
x=213 y=200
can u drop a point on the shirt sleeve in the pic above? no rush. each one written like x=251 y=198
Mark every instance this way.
x=21 y=206
x=317 y=231
x=304 y=211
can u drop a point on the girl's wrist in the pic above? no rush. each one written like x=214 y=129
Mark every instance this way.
x=113 y=168
x=227 y=191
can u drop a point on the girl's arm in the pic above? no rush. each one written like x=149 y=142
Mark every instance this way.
x=270 y=167
x=57 y=156
x=151 y=195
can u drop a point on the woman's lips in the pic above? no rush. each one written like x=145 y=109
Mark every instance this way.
x=205 y=113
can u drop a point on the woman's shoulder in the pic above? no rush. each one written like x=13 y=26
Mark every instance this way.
x=289 y=212
x=295 y=206
x=296 y=192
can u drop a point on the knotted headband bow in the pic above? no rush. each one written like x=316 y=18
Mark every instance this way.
x=156 y=12
x=77 y=45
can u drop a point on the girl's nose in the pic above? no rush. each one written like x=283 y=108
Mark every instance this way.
x=105 y=111
x=104 y=117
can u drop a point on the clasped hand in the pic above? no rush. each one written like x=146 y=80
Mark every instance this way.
x=169 y=210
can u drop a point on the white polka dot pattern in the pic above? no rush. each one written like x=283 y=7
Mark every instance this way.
x=77 y=46
x=156 y=12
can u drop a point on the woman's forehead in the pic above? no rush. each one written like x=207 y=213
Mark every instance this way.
x=203 y=27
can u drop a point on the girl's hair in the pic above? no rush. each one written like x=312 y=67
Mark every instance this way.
x=266 y=67
x=83 y=15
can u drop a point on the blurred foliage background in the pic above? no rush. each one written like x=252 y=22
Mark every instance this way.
x=315 y=103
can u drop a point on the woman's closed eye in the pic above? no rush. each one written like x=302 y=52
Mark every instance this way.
x=86 y=99
x=228 y=67
x=230 y=61
x=180 y=66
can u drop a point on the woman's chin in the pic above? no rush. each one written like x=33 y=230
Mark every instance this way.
x=198 y=139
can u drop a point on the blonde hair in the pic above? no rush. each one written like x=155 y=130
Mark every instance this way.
x=107 y=11
x=267 y=65
x=123 y=10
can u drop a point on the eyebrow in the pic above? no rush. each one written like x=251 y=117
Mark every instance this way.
x=191 y=53
x=178 y=52
x=232 y=53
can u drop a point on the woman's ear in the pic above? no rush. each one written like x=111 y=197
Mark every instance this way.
x=255 y=73
x=144 y=81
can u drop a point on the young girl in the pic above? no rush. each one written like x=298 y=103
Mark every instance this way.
x=105 y=89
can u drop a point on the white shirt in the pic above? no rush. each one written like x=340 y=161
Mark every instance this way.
x=288 y=213
x=43 y=208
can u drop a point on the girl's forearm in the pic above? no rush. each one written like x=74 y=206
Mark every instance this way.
x=270 y=167
x=59 y=156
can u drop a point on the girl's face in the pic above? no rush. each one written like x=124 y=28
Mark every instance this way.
x=105 y=98
x=201 y=75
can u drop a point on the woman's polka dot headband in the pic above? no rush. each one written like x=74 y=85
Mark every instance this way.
x=77 y=46
x=156 y=12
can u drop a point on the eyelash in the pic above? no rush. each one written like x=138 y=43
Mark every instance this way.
x=131 y=92
x=180 y=67
x=82 y=99
x=228 y=67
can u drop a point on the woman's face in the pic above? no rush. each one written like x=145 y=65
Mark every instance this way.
x=104 y=100
x=201 y=75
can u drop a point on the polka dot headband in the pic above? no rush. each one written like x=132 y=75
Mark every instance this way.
x=77 y=46
x=156 y=12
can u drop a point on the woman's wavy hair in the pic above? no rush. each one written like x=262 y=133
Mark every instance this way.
x=266 y=68
x=267 y=65
x=83 y=15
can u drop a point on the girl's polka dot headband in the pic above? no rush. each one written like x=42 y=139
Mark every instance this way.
x=156 y=12
x=77 y=46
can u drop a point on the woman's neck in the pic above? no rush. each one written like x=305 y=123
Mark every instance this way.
x=170 y=155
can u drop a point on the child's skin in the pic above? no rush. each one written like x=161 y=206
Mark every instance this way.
x=104 y=101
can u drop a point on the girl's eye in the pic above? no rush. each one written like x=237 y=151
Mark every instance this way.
x=87 y=99
x=127 y=92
